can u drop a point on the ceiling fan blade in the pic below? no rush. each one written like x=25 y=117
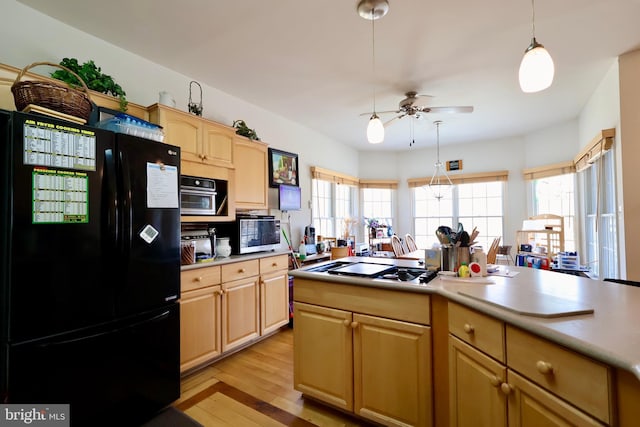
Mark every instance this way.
x=458 y=109
x=393 y=120
x=380 y=112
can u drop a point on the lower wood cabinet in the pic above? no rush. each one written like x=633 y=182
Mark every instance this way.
x=240 y=305
x=534 y=383
x=200 y=326
x=377 y=368
x=227 y=306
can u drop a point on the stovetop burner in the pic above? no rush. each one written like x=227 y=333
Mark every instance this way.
x=378 y=271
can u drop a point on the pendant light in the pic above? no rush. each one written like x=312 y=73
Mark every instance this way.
x=536 y=69
x=372 y=10
x=440 y=184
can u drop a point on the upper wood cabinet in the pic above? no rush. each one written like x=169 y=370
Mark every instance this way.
x=251 y=174
x=201 y=141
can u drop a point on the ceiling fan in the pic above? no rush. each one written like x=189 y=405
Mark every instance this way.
x=413 y=105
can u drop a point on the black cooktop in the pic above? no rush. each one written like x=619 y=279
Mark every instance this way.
x=380 y=271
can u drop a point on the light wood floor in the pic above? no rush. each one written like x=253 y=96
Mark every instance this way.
x=254 y=387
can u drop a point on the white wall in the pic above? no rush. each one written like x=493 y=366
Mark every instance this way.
x=27 y=36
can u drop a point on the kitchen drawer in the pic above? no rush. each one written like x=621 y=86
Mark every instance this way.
x=581 y=381
x=240 y=270
x=199 y=278
x=274 y=263
x=481 y=331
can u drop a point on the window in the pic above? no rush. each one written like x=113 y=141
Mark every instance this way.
x=334 y=197
x=556 y=195
x=323 y=219
x=473 y=205
x=377 y=203
x=429 y=214
x=600 y=217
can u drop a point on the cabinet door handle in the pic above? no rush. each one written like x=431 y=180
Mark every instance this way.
x=346 y=322
x=495 y=381
x=544 y=368
x=468 y=328
x=506 y=388
x=354 y=325
x=218 y=292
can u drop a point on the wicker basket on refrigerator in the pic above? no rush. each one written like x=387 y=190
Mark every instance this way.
x=57 y=97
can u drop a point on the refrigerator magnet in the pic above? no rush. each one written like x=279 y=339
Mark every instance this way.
x=149 y=234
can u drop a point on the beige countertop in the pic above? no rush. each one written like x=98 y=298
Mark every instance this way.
x=232 y=259
x=610 y=333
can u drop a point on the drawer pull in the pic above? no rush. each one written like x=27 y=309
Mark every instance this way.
x=354 y=325
x=506 y=388
x=198 y=279
x=346 y=322
x=275 y=264
x=495 y=381
x=468 y=328
x=544 y=368
x=242 y=270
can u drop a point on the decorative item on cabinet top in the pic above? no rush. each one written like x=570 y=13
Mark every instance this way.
x=193 y=107
x=94 y=78
x=244 y=130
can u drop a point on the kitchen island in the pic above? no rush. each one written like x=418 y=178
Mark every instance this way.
x=501 y=350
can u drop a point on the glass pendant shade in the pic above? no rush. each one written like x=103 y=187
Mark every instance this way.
x=440 y=184
x=375 y=130
x=536 y=69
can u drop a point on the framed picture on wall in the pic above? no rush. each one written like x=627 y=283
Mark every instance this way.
x=283 y=168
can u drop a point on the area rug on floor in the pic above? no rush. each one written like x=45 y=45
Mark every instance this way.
x=247 y=400
x=172 y=417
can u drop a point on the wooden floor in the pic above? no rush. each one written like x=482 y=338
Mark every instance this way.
x=254 y=387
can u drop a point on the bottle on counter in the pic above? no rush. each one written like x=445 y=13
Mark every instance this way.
x=481 y=258
x=302 y=250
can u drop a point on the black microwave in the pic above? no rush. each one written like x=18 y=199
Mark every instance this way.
x=255 y=233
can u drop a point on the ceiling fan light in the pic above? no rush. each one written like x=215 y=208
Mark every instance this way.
x=536 y=69
x=375 y=130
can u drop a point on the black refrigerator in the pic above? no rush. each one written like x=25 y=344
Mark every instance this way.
x=89 y=270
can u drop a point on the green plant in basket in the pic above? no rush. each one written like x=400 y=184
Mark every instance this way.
x=93 y=77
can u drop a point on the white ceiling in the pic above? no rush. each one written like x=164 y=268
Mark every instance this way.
x=312 y=62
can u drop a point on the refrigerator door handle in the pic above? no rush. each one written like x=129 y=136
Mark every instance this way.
x=127 y=205
x=153 y=319
x=112 y=202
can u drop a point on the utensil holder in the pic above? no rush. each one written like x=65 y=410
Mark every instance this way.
x=453 y=257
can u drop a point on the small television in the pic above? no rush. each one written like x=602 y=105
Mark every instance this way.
x=289 y=198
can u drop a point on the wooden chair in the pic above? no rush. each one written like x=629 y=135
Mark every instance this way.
x=340 y=252
x=396 y=243
x=410 y=242
x=504 y=253
x=493 y=250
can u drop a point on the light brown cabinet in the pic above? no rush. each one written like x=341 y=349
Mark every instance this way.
x=224 y=307
x=240 y=312
x=200 y=316
x=251 y=174
x=349 y=354
x=274 y=293
x=532 y=383
x=201 y=141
